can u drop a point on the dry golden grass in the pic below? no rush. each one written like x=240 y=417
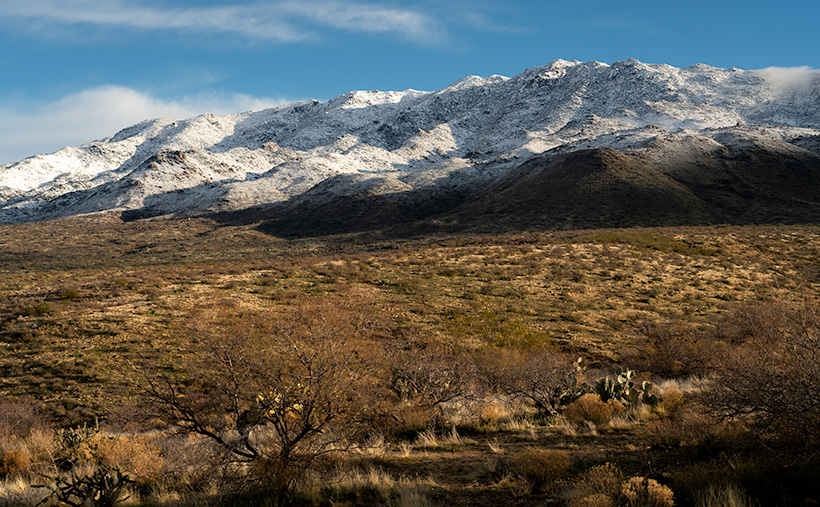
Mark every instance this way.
x=79 y=326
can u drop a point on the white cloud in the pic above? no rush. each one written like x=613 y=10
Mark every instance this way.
x=787 y=78
x=288 y=21
x=367 y=18
x=100 y=112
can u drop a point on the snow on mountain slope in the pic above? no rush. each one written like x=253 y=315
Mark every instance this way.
x=466 y=134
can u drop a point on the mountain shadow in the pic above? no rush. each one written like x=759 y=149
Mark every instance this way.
x=684 y=181
x=583 y=189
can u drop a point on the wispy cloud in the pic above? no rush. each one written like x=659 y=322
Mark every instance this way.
x=288 y=21
x=355 y=17
x=101 y=112
x=790 y=77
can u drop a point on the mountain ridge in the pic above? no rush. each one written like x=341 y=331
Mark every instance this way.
x=453 y=143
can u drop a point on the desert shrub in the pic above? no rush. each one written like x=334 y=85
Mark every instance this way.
x=598 y=486
x=546 y=379
x=540 y=468
x=594 y=500
x=406 y=420
x=21 y=418
x=136 y=455
x=13 y=460
x=591 y=408
x=605 y=485
x=69 y=295
x=28 y=455
x=644 y=492
x=430 y=377
x=770 y=373
x=101 y=488
x=676 y=349
x=42 y=308
x=276 y=398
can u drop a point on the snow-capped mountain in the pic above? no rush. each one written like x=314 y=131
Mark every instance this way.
x=455 y=141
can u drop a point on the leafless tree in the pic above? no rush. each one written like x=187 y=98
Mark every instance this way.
x=275 y=401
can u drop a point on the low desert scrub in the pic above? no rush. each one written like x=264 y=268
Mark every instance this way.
x=540 y=468
x=590 y=408
x=599 y=485
x=644 y=492
x=605 y=485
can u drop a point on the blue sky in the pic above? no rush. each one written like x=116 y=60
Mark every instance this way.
x=76 y=70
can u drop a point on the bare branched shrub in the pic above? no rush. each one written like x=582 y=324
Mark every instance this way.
x=541 y=376
x=276 y=398
x=425 y=381
x=20 y=418
x=771 y=370
x=675 y=349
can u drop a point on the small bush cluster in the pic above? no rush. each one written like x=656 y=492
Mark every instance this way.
x=605 y=485
x=591 y=408
x=540 y=468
